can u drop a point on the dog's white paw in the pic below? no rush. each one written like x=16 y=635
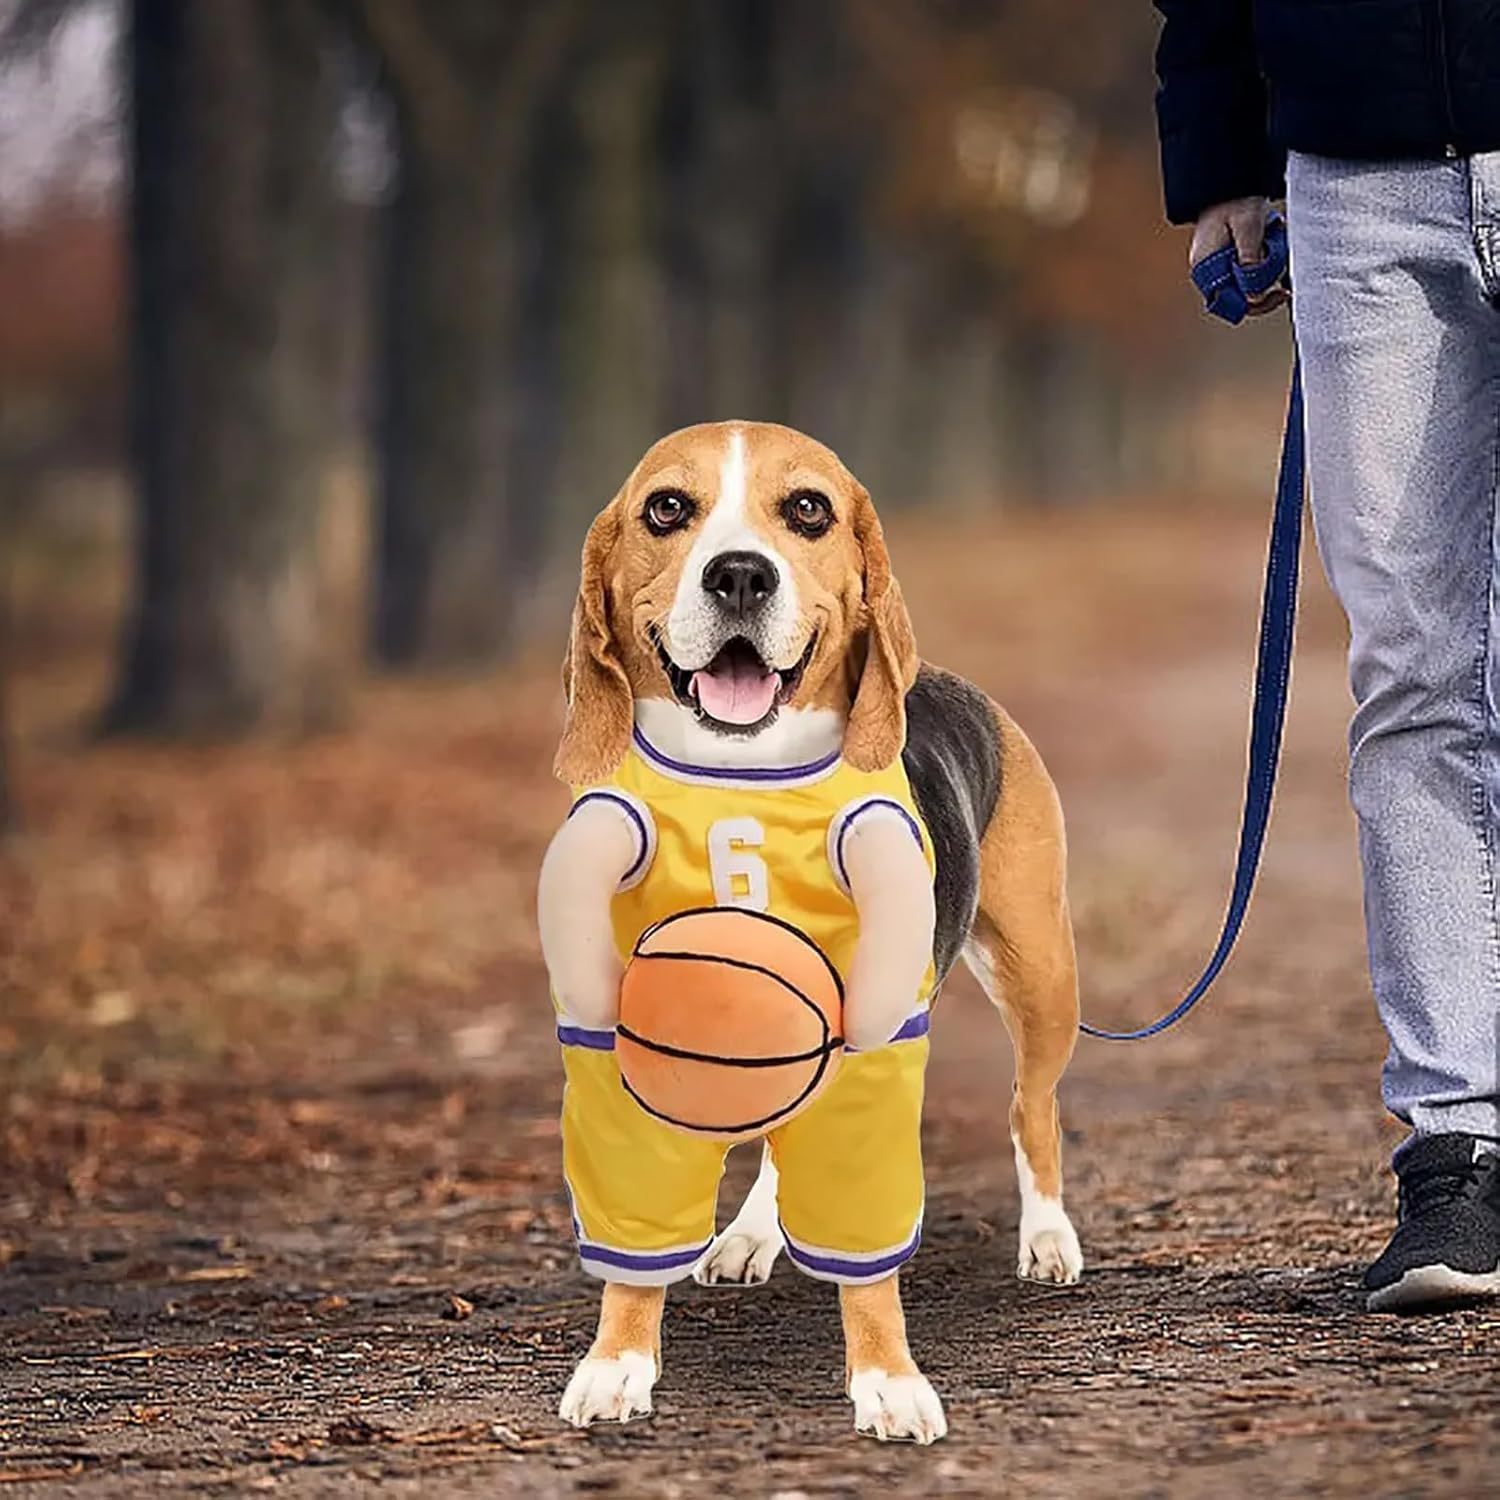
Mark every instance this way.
x=744 y=1254
x=1049 y=1249
x=896 y=1408
x=740 y=1256
x=609 y=1390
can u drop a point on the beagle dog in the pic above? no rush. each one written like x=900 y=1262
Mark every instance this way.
x=748 y=723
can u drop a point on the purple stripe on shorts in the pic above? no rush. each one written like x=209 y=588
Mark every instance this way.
x=583 y=1036
x=838 y=1265
x=848 y=823
x=643 y=1260
x=635 y=817
x=770 y=774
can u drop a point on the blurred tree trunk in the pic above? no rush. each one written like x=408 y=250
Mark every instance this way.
x=1062 y=405
x=737 y=194
x=10 y=806
x=538 y=404
x=964 y=365
x=441 y=559
x=232 y=366
x=718 y=226
x=615 y=344
x=822 y=242
x=464 y=77
x=765 y=222
x=898 y=306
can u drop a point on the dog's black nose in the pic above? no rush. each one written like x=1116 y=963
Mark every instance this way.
x=741 y=581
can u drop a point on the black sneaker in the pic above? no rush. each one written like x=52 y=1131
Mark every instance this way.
x=1446 y=1247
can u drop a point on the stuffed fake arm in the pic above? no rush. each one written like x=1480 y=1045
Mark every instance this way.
x=892 y=890
x=583 y=867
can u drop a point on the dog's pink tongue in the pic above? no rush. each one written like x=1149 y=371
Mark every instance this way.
x=735 y=690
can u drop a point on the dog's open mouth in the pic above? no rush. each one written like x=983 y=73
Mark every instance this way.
x=736 y=691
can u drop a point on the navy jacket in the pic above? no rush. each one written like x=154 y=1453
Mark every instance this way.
x=1242 y=81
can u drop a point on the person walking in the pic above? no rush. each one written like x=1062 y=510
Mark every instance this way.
x=1379 y=121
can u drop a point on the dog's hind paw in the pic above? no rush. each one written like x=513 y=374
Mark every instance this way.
x=896 y=1408
x=609 y=1390
x=740 y=1257
x=1050 y=1253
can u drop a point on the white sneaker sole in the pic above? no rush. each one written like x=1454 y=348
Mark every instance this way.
x=1434 y=1286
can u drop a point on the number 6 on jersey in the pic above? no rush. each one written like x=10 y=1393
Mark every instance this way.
x=739 y=874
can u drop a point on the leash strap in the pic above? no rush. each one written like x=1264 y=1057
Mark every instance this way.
x=1227 y=288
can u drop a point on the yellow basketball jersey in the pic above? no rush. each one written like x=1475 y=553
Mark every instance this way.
x=850 y=1192
x=767 y=839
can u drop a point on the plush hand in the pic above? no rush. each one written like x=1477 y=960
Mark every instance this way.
x=892 y=890
x=580 y=874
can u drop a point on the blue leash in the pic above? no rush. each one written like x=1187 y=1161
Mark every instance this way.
x=1227 y=288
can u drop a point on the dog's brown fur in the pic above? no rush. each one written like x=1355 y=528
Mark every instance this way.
x=629 y=1321
x=1025 y=933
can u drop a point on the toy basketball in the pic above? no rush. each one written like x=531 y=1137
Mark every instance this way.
x=731 y=1021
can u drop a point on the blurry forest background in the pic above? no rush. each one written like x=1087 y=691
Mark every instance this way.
x=326 y=324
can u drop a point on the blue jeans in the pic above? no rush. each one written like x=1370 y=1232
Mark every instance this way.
x=1396 y=269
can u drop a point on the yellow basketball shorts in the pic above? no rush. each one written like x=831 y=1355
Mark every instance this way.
x=850 y=1187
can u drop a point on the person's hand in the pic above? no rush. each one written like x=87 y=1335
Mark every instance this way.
x=1243 y=222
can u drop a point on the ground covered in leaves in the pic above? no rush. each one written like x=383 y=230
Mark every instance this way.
x=280 y=1200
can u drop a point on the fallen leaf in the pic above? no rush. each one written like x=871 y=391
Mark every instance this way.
x=215 y=1273
x=112 y=1008
x=33 y=1476
x=356 y=1432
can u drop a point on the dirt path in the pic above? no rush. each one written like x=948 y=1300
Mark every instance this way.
x=235 y=1231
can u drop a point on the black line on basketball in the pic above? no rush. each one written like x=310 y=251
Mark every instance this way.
x=751 y=968
x=761 y=1124
x=744 y=911
x=828 y=1044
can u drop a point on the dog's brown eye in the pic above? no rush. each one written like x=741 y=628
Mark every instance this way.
x=807 y=512
x=667 y=510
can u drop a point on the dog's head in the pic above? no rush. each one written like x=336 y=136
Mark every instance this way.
x=738 y=579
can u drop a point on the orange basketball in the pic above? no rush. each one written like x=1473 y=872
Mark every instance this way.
x=730 y=1021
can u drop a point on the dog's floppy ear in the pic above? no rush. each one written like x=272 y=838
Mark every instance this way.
x=876 y=732
x=596 y=728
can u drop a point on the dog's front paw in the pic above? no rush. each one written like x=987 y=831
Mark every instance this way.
x=609 y=1390
x=1049 y=1249
x=740 y=1256
x=896 y=1408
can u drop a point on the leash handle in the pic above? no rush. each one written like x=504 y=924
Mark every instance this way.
x=1227 y=289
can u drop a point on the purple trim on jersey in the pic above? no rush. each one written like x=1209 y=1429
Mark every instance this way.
x=639 y=1260
x=912 y=1027
x=768 y=774
x=837 y=1265
x=919 y=1023
x=584 y=1036
x=635 y=817
x=848 y=823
